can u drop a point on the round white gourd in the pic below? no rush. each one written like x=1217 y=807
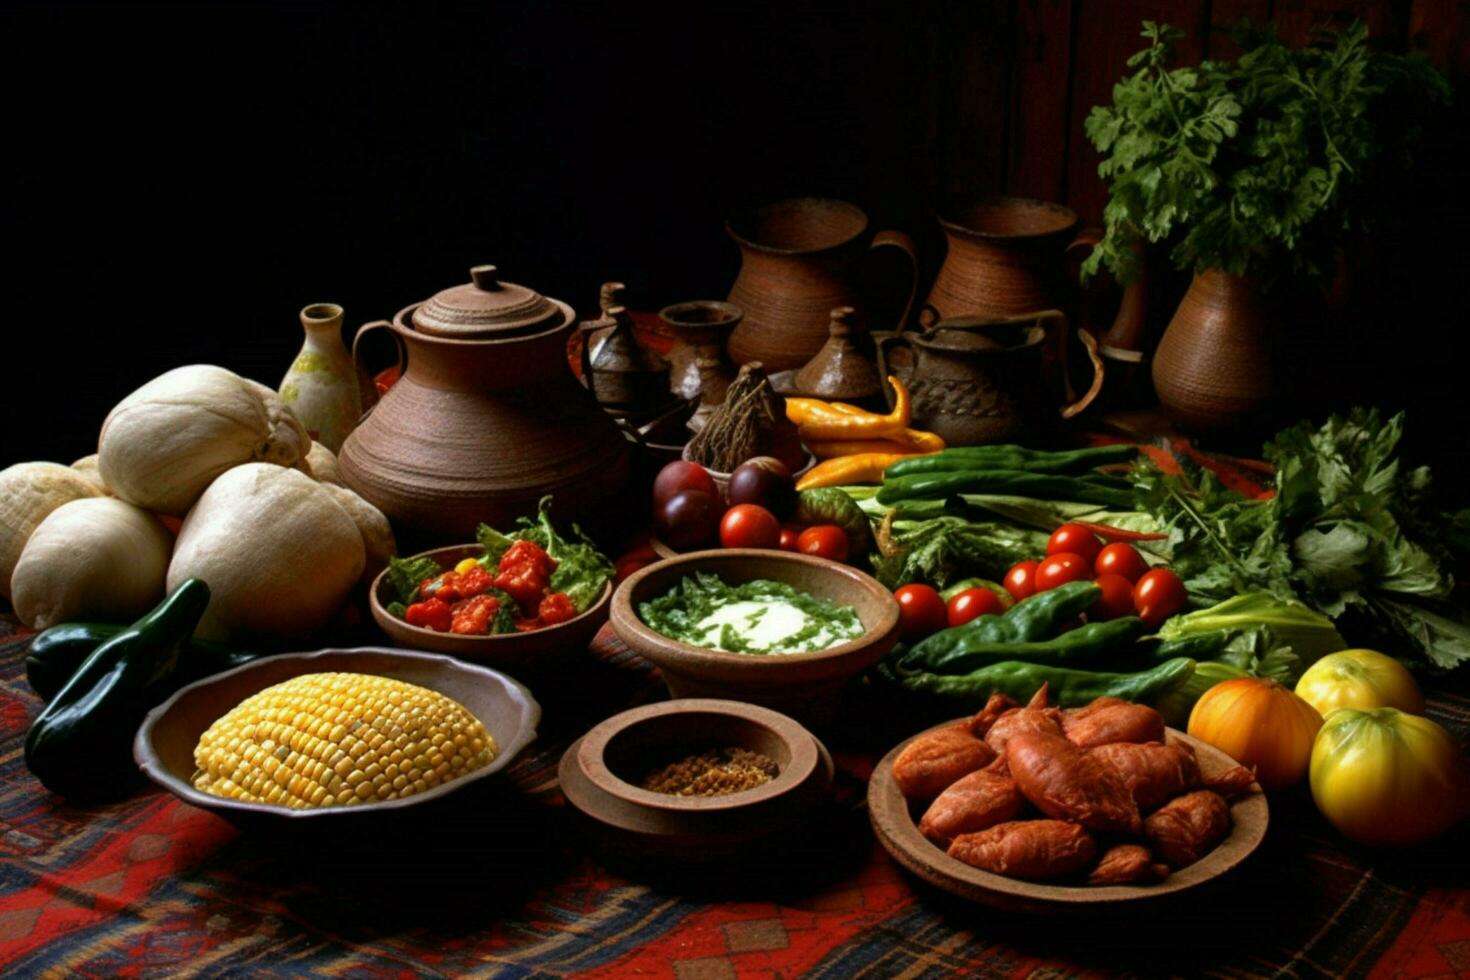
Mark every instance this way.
x=377 y=533
x=99 y=558
x=278 y=553
x=323 y=463
x=28 y=493
x=87 y=468
x=167 y=441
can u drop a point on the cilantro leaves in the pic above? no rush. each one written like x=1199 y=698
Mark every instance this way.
x=1256 y=165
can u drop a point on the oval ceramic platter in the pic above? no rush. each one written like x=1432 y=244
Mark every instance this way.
x=896 y=826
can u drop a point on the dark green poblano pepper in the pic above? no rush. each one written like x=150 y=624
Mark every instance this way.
x=57 y=653
x=1039 y=617
x=1067 y=687
x=81 y=745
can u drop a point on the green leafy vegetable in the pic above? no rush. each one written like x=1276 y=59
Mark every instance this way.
x=1256 y=165
x=1309 y=634
x=945 y=549
x=406 y=574
x=1349 y=532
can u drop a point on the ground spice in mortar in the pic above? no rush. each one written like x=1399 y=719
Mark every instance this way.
x=713 y=773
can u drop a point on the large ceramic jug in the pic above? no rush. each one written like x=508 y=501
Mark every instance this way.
x=486 y=418
x=1005 y=257
x=976 y=380
x=797 y=261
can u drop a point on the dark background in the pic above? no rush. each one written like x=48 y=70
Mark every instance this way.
x=178 y=180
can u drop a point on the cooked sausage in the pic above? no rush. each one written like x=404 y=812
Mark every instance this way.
x=934 y=760
x=974 y=802
x=1027 y=849
x=1064 y=782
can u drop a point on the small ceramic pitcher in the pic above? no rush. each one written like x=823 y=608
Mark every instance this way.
x=797 y=262
x=984 y=379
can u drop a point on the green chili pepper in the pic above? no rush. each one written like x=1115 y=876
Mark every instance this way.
x=1038 y=617
x=1012 y=458
x=1066 y=687
x=1087 y=489
x=1085 y=643
x=56 y=653
x=1196 y=646
x=81 y=746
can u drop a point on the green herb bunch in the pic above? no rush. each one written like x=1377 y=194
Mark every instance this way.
x=1238 y=162
x=1350 y=531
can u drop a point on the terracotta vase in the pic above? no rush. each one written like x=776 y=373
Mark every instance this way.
x=486 y=418
x=1005 y=257
x=797 y=262
x=1213 y=370
x=322 y=385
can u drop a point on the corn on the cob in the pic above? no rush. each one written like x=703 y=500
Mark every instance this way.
x=338 y=739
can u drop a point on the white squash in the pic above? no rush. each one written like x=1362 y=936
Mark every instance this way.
x=323 y=464
x=167 y=441
x=99 y=558
x=377 y=533
x=279 y=554
x=87 y=468
x=28 y=493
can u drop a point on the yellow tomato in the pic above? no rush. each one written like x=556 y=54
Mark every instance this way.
x=1258 y=723
x=1359 y=679
x=1384 y=777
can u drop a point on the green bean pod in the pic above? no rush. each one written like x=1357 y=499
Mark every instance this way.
x=1012 y=457
x=1017 y=482
x=1067 y=687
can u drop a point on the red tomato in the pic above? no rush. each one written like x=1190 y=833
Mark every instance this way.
x=972 y=604
x=1120 y=559
x=920 y=611
x=789 y=537
x=1060 y=569
x=1073 y=539
x=1020 y=581
x=749 y=526
x=1159 y=595
x=1116 y=599
x=824 y=541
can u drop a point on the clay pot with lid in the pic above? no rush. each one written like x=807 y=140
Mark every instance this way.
x=486 y=418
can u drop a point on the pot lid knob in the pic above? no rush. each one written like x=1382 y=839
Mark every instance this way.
x=483 y=276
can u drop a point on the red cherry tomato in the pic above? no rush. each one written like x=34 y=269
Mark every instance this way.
x=749 y=526
x=920 y=611
x=1074 y=539
x=1061 y=569
x=972 y=604
x=824 y=541
x=1116 y=599
x=789 y=537
x=1159 y=595
x=1020 y=581
x=1120 y=559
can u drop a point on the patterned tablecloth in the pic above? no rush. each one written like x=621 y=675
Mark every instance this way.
x=153 y=886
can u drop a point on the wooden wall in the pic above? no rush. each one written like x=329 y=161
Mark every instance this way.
x=1019 y=77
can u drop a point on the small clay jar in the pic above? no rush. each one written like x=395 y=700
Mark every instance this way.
x=622 y=374
x=842 y=370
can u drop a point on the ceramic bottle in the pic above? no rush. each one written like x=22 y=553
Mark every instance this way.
x=321 y=386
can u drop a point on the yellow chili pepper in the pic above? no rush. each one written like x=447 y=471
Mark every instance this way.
x=833 y=448
x=843 y=470
x=850 y=423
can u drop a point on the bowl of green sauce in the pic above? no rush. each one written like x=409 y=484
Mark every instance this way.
x=772 y=628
